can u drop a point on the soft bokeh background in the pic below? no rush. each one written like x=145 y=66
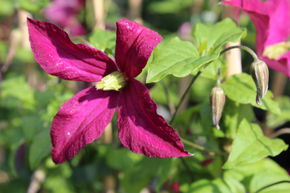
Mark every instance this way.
x=29 y=99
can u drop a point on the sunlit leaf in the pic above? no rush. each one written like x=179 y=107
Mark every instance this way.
x=273 y=119
x=260 y=174
x=242 y=89
x=215 y=186
x=175 y=57
x=250 y=145
x=103 y=40
x=233 y=115
x=211 y=38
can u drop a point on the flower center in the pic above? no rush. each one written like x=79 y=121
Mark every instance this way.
x=114 y=81
x=277 y=50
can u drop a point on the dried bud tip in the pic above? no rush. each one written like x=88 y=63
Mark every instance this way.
x=261 y=77
x=217 y=104
x=258 y=100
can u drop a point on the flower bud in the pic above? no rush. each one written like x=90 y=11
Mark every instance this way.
x=260 y=74
x=218 y=99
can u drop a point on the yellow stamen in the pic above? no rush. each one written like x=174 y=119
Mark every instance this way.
x=277 y=50
x=114 y=81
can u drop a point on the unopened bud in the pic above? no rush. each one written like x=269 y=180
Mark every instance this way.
x=260 y=74
x=218 y=99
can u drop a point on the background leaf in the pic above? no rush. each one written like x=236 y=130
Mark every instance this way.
x=103 y=40
x=250 y=145
x=259 y=174
x=275 y=120
x=39 y=149
x=211 y=38
x=242 y=89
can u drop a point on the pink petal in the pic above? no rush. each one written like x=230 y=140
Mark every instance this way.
x=76 y=29
x=141 y=129
x=134 y=46
x=80 y=121
x=59 y=56
x=64 y=13
x=61 y=11
x=270 y=28
x=281 y=65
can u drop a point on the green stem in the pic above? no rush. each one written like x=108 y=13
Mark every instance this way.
x=273 y=184
x=167 y=98
x=183 y=96
x=247 y=49
x=199 y=147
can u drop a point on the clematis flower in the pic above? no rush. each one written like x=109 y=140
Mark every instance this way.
x=64 y=13
x=83 y=118
x=272 y=22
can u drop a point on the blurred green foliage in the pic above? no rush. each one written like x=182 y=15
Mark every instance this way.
x=236 y=157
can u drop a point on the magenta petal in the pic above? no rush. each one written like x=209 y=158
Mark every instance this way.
x=64 y=13
x=272 y=22
x=141 y=129
x=59 y=56
x=281 y=65
x=80 y=121
x=76 y=29
x=134 y=46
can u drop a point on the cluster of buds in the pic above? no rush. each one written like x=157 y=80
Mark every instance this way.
x=218 y=99
x=260 y=74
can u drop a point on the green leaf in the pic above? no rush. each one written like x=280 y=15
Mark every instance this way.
x=215 y=186
x=30 y=125
x=144 y=171
x=267 y=177
x=233 y=114
x=181 y=58
x=260 y=174
x=161 y=96
x=275 y=120
x=119 y=159
x=169 y=7
x=57 y=183
x=32 y=5
x=211 y=38
x=103 y=40
x=242 y=89
x=175 y=57
x=39 y=149
x=12 y=93
x=250 y=145
x=6 y=8
x=211 y=71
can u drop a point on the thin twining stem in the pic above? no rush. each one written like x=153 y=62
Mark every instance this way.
x=247 y=49
x=183 y=96
x=281 y=132
x=168 y=102
x=273 y=184
x=199 y=147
